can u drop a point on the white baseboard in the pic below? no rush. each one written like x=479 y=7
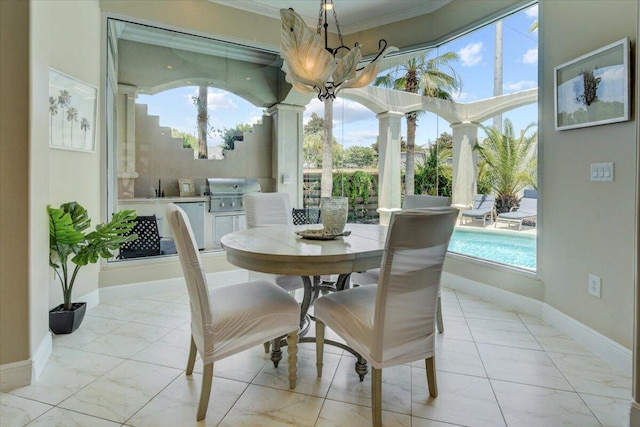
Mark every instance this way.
x=92 y=299
x=25 y=372
x=41 y=356
x=634 y=417
x=16 y=374
x=609 y=350
x=499 y=296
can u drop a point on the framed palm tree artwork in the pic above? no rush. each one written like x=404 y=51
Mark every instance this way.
x=72 y=112
x=594 y=88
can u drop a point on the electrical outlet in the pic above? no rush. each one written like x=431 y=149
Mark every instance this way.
x=595 y=284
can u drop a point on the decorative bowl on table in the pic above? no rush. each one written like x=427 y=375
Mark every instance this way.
x=320 y=234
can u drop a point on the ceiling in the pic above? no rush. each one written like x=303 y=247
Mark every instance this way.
x=353 y=15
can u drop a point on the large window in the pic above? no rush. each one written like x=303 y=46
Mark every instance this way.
x=181 y=105
x=182 y=109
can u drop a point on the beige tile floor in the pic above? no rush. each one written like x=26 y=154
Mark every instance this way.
x=495 y=367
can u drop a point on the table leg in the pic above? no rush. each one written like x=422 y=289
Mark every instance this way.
x=343 y=282
x=308 y=297
x=310 y=294
x=312 y=286
x=276 y=352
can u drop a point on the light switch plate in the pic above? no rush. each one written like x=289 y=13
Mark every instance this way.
x=602 y=172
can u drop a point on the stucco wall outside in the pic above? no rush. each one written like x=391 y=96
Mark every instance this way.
x=158 y=156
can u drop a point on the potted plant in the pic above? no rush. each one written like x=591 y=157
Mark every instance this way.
x=71 y=248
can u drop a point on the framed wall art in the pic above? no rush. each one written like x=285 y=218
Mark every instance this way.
x=593 y=89
x=72 y=112
x=187 y=187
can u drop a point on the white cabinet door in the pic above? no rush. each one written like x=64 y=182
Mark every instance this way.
x=242 y=223
x=195 y=213
x=222 y=224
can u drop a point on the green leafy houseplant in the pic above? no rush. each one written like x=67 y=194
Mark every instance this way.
x=68 y=242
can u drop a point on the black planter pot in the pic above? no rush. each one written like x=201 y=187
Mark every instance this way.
x=63 y=321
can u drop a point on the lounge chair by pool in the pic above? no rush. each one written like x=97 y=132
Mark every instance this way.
x=527 y=209
x=484 y=206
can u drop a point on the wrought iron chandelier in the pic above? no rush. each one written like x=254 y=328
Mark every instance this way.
x=311 y=66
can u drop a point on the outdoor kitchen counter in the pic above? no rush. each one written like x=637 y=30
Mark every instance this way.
x=146 y=206
x=162 y=200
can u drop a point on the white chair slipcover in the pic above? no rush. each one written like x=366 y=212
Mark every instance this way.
x=266 y=209
x=269 y=209
x=230 y=319
x=411 y=201
x=392 y=323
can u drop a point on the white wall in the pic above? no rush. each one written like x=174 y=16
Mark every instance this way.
x=587 y=227
x=73 y=47
x=64 y=35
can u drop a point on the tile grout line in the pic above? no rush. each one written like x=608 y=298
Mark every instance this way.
x=495 y=396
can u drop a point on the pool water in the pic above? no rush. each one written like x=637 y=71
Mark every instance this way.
x=507 y=248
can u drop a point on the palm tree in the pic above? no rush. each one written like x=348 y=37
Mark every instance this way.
x=53 y=110
x=72 y=116
x=64 y=100
x=85 y=126
x=201 y=102
x=509 y=163
x=421 y=75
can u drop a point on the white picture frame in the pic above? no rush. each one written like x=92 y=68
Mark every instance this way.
x=593 y=89
x=72 y=112
x=187 y=187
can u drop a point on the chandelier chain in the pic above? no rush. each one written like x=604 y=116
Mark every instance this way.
x=335 y=16
x=319 y=28
x=323 y=5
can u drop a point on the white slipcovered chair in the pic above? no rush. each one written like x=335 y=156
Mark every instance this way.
x=392 y=323
x=411 y=201
x=230 y=319
x=267 y=210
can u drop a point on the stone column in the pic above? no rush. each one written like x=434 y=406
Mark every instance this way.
x=389 y=183
x=126 y=115
x=287 y=157
x=465 y=165
x=126 y=139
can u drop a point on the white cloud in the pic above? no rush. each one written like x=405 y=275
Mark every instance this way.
x=344 y=110
x=612 y=73
x=362 y=137
x=532 y=12
x=216 y=100
x=220 y=101
x=461 y=96
x=521 y=85
x=253 y=116
x=470 y=55
x=611 y=86
x=530 y=56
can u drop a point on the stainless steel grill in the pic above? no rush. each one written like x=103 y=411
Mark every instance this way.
x=225 y=194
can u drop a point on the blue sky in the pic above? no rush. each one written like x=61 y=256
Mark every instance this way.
x=356 y=125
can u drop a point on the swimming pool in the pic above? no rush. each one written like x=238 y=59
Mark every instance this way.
x=518 y=250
